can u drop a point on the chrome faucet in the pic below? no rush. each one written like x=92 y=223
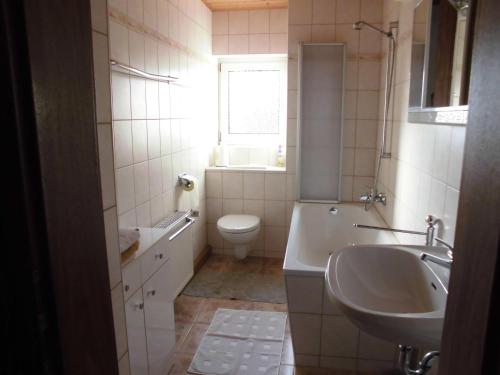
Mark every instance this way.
x=429 y=233
x=372 y=197
x=430 y=238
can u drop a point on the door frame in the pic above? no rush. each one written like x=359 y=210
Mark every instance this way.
x=57 y=273
x=471 y=335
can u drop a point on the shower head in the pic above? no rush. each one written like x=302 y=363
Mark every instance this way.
x=361 y=24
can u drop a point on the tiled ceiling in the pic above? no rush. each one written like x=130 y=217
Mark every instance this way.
x=245 y=4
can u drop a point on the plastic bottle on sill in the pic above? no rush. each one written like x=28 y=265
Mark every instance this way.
x=280 y=159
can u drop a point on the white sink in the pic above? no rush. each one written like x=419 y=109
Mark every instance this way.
x=389 y=292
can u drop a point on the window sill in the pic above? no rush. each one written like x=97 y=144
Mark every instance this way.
x=241 y=168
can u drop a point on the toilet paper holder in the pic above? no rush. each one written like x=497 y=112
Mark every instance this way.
x=186 y=181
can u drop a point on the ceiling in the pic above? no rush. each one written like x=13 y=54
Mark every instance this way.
x=215 y=5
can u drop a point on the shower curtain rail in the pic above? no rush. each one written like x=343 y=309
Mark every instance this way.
x=123 y=68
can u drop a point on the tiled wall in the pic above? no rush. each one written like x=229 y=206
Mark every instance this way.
x=423 y=175
x=250 y=32
x=268 y=194
x=161 y=130
x=105 y=148
x=323 y=336
x=331 y=21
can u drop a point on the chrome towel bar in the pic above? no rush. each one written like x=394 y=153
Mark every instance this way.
x=123 y=68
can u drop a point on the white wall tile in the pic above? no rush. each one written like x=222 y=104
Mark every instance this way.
x=237 y=44
x=278 y=22
x=138 y=97
x=125 y=195
x=306 y=330
x=141 y=182
x=232 y=206
x=220 y=45
x=373 y=348
x=347 y=11
x=120 y=85
x=154 y=139
x=300 y=12
x=232 y=185
x=143 y=215
x=323 y=12
x=122 y=143
x=136 y=50
x=339 y=337
x=118 y=42
x=258 y=43
x=275 y=213
x=238 y=22
x=140 y=140
x=214 y=184
x=258 y=21
x=275 y=186
x=278 y=43
x=220 y=23
x=304 y=294
x=155 y=177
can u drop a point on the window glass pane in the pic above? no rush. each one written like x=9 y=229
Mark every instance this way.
x=254 y=102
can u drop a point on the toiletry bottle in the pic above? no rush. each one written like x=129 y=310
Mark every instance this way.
x=280 y=159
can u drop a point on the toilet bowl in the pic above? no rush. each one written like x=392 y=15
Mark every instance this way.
x=241 y=231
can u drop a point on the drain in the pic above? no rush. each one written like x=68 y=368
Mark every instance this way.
x=333 y=210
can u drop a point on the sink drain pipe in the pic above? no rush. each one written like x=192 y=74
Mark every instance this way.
x=424 y=366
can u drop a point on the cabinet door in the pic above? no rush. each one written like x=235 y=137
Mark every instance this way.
x=181 y=257
x=136 y=332
x=160 y=323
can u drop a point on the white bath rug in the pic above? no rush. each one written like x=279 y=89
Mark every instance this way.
x=241 y=342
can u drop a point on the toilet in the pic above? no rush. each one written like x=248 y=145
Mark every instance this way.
x=241 y=231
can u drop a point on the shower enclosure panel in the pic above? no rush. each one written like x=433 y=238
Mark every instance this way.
x=320 y=121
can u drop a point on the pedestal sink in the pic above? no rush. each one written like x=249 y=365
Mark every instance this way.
x=389 y=292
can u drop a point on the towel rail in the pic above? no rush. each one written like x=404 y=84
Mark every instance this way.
x=123 y=68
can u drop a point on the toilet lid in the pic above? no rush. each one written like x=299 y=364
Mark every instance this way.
x=238 y=223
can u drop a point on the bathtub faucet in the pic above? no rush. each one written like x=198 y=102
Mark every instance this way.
x=372 y=197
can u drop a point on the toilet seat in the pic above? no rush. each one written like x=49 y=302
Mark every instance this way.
x=238 y=223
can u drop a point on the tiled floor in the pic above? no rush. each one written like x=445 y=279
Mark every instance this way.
x=193 y=316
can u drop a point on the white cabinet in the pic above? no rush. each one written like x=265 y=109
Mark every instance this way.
x=181 y=255
x=136 y=333
x=151 y=283
x=159 y=318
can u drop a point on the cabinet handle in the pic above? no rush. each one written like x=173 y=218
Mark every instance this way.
x=159 y=256
x=189 y=222
x=127 y=288
x=151 y=292
x=139 y=305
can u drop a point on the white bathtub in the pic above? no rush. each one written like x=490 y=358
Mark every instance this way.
x=315 y=233
x=321 y=335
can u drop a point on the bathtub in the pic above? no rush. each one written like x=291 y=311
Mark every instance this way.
x=317 y=229
x=321 y=335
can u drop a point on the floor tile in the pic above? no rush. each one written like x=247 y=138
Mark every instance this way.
x=193 y=338
x=210 y=306
x=187 y=308
x=181 y=364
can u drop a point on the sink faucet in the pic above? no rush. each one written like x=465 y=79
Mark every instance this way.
x=430 y=238
x=429 y=233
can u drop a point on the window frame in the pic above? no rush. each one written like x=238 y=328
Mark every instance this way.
x=251 y=139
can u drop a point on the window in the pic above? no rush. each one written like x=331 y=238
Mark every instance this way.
x=252 y=103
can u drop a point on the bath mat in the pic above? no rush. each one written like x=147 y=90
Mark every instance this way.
x=244 y=286
x=241 y=342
